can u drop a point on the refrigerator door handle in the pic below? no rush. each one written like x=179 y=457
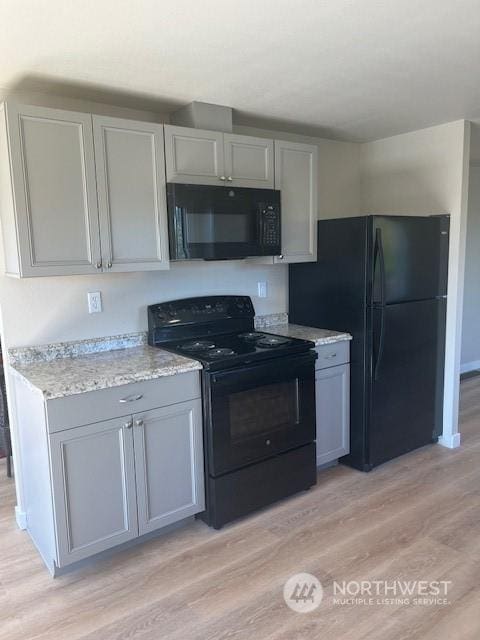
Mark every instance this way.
x=383 y=296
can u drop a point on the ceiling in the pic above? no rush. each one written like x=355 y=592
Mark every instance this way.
x=348 y=69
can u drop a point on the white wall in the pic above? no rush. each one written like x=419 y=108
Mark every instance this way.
x=41 y=310
x=471 y=302
x=426 y=172
x=471 y=305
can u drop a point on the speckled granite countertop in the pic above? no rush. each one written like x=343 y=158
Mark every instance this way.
x=64 y=369
x=318 y=336
x=72 y=375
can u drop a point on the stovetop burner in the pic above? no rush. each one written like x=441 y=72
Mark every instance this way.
x=198 y=345
x=273 y=341
x=251 y=335
x=221 y=352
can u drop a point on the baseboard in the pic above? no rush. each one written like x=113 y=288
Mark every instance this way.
x=466 y=367
x=451 y=441
x=21 y=518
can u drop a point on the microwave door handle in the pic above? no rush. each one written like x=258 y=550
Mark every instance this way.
x=261 y=224
x=184 y=232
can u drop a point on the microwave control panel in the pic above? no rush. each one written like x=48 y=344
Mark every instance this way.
x=270 y=226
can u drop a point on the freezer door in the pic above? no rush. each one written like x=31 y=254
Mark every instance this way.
x=410 y=255
x=407 y=346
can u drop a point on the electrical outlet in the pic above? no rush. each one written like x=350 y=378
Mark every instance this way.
x=94 y=301
x=262 y=289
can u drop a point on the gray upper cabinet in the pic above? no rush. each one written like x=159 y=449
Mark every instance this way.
x=94 y=488
x=194 y=156
x=52 y=171
x=248 y=161
x=296 y=175
x=169 y=464
x=130 y=167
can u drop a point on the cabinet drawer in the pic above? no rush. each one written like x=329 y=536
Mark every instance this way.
x=104 y=404
x=329 y=355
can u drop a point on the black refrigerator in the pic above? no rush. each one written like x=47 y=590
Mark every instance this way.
x=384 y=280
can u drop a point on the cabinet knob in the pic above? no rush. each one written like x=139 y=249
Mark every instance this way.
x=128 y=425
x=99 y=264
x=139 y=423
x=223 y=178
x=230 y=178
x=109 y=265
x=280 y=257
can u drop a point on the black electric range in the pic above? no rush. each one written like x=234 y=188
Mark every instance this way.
x=258 y=393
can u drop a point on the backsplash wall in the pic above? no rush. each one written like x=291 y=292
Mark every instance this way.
x=43 y=310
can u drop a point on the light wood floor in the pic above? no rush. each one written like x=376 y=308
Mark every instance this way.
x=416 y=518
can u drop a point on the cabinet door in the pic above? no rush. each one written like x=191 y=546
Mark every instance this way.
x=296 y=175
x=248 y=161
x=130 y=165
x=169 y=464
x=53 y=172
x=332 y=390
x=194 y=156
x=94 y=488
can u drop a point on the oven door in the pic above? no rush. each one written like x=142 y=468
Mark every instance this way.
x=256 y=412
x=216 y=223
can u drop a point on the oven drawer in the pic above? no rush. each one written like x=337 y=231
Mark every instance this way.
x=329 y=355
x=114 y=402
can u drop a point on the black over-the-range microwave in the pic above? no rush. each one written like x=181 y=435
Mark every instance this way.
x=221 y=223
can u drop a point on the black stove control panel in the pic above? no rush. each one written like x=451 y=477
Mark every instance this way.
x=199 y=310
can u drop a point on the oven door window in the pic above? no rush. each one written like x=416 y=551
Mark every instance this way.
x=263 y=411
x=260 y=411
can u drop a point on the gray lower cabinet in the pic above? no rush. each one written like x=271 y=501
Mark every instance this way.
x=93 y=475
x=91 y=487
x=169 y=464
x=332 y=391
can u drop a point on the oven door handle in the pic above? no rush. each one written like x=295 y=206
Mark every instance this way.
x=297 y=402
x=283 y=369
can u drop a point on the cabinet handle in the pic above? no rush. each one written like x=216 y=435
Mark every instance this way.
x=131 y=398
x=230 y=178
x=329 y=357
x=99 y=264
x=223 y=178
x=139 y=423
x=128 y=425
